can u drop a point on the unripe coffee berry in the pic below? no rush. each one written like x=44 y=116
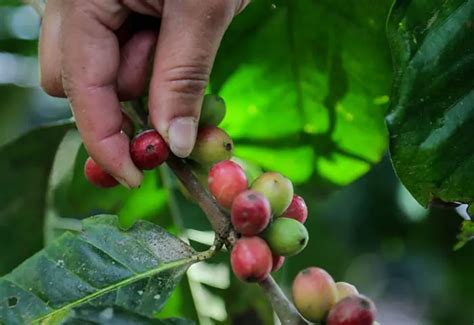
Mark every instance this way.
x=352 y=310
x=148 y=150
x=250 y=213
x=314 y=293
x=345 y=289
x=251 y=259
x=277 y=189
x=97 y=176
x=212 y=145
x=212 y=111
x=226 y=180
x=286 y=237
x=297 y=209
x=277 y=262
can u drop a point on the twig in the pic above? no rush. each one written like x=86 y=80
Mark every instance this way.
x=284 y=309
x=219 y=221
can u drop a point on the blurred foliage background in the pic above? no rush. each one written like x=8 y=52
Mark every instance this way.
x=307 y=86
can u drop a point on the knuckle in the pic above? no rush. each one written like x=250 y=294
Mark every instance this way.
x=187 y=80
x=219 y=12
x=51 y=86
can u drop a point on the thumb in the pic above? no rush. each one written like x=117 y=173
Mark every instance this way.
x=190 y=34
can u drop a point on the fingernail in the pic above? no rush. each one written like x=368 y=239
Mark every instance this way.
x=123 y=182
x=134 y=179
x=182 y=135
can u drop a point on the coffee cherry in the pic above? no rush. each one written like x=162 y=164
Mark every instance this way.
x=277 y=262
x=297 y=209
x=127 y=125
x=286 y=237
x=212 y=111
x=251 y=259
x=250 y=213
x=345 y=289
x=314 y=293
x=277 y=189
x=212 y=145
x=148 y=150
x=97 y=176
x=226 y=180
x=352 y=310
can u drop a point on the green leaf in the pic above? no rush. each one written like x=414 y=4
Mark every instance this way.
x=102 y=266
x=467 y=234
x=25 y=164
x=308 y=78
x=116 y=316
x=432 y=110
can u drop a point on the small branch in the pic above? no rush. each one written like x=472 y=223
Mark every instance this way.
x=219 y=221
x=284 y=309
x=142 y=115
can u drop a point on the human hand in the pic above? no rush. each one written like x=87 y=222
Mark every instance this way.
x=80 y=58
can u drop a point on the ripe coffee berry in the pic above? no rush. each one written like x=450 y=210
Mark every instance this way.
x=148 y=150
x=277 y=262
x=97 y=176
x=314 y=293
x=352 y=310
x=277 y=189
x=286 y=237
x=226 y=180
x=250 y=213
x=251 y=259
x=212 y=145
x=297 y=209
x=345 y=289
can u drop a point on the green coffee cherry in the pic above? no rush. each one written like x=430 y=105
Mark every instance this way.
x=251 y=170
x=278 y=190
x=212 y=145
x=212 y=111
x=286 y=237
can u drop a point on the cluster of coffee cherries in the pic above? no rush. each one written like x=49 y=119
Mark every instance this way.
x=319 y=299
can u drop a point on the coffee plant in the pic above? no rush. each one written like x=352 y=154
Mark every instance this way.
x=299 y=98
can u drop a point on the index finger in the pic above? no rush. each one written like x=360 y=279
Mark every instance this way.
x=90 y=62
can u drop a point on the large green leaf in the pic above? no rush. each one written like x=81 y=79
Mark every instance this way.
x=431 y=121
x=116 y=316
x=101 y=266
x=25 y=164
x=307 y=84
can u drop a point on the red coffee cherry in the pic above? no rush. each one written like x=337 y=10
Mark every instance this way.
x=250 y=213
x=277 y=262
x=148 y=150
x=352 y=310
x=314 y=293
x=97 y=176
x=226 y=180
x=251 y=259
x=297 y=209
